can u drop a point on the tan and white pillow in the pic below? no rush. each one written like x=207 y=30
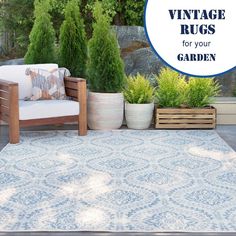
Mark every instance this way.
x=47 y=85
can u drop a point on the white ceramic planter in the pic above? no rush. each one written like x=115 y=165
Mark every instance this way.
x=105 y=110
x=139 y=116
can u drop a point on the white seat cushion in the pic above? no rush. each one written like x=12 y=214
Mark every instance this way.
x=47 y=109
x=16 y=73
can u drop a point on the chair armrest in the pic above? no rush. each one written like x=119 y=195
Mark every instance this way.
x=9 y=106
x=6 y=84
x=73 y=79
x=76 y=88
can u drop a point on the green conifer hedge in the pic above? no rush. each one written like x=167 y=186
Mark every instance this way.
x=73 y=46
x=42 y=37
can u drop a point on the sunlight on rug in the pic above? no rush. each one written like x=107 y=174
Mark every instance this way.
x=118 y=181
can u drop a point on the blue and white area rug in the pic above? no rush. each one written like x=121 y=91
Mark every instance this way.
x=118 y=181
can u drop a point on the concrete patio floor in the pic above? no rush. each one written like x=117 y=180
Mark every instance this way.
x=227 y=132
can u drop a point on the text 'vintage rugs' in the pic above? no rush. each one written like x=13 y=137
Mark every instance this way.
x=118 y=181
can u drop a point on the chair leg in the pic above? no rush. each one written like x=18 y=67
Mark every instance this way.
x=82 y=98
x=14 y=132
x=83 y=129
x=14 y=124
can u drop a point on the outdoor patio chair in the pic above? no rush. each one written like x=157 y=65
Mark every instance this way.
x=17 y=112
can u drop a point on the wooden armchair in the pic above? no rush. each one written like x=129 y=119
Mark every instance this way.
x=9 y=108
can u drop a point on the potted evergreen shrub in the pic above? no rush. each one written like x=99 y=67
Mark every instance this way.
x=105 y=74
x=139 y=104
x=185 y=103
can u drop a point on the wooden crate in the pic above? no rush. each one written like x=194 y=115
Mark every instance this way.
x=185 y=118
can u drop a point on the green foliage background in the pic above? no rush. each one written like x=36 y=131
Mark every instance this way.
x=17 y=18
x=105 y=66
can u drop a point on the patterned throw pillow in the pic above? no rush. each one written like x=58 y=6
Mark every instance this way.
x=47 y=85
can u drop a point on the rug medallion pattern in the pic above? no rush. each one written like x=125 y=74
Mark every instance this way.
x=118 y=181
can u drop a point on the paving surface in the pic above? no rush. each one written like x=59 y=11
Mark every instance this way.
x=228 y=133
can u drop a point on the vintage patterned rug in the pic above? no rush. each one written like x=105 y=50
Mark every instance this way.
x=118 y=181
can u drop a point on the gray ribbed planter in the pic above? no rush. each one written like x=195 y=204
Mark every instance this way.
x=139 y=116
x=105 y=110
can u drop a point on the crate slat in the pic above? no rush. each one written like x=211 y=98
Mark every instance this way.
x=185 y=121
x=185 y=126
x=184 y=110
x=200 y=116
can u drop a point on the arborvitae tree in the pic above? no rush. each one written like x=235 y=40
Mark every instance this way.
x=42 y=36
x=105 y=67
x=73 y=46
